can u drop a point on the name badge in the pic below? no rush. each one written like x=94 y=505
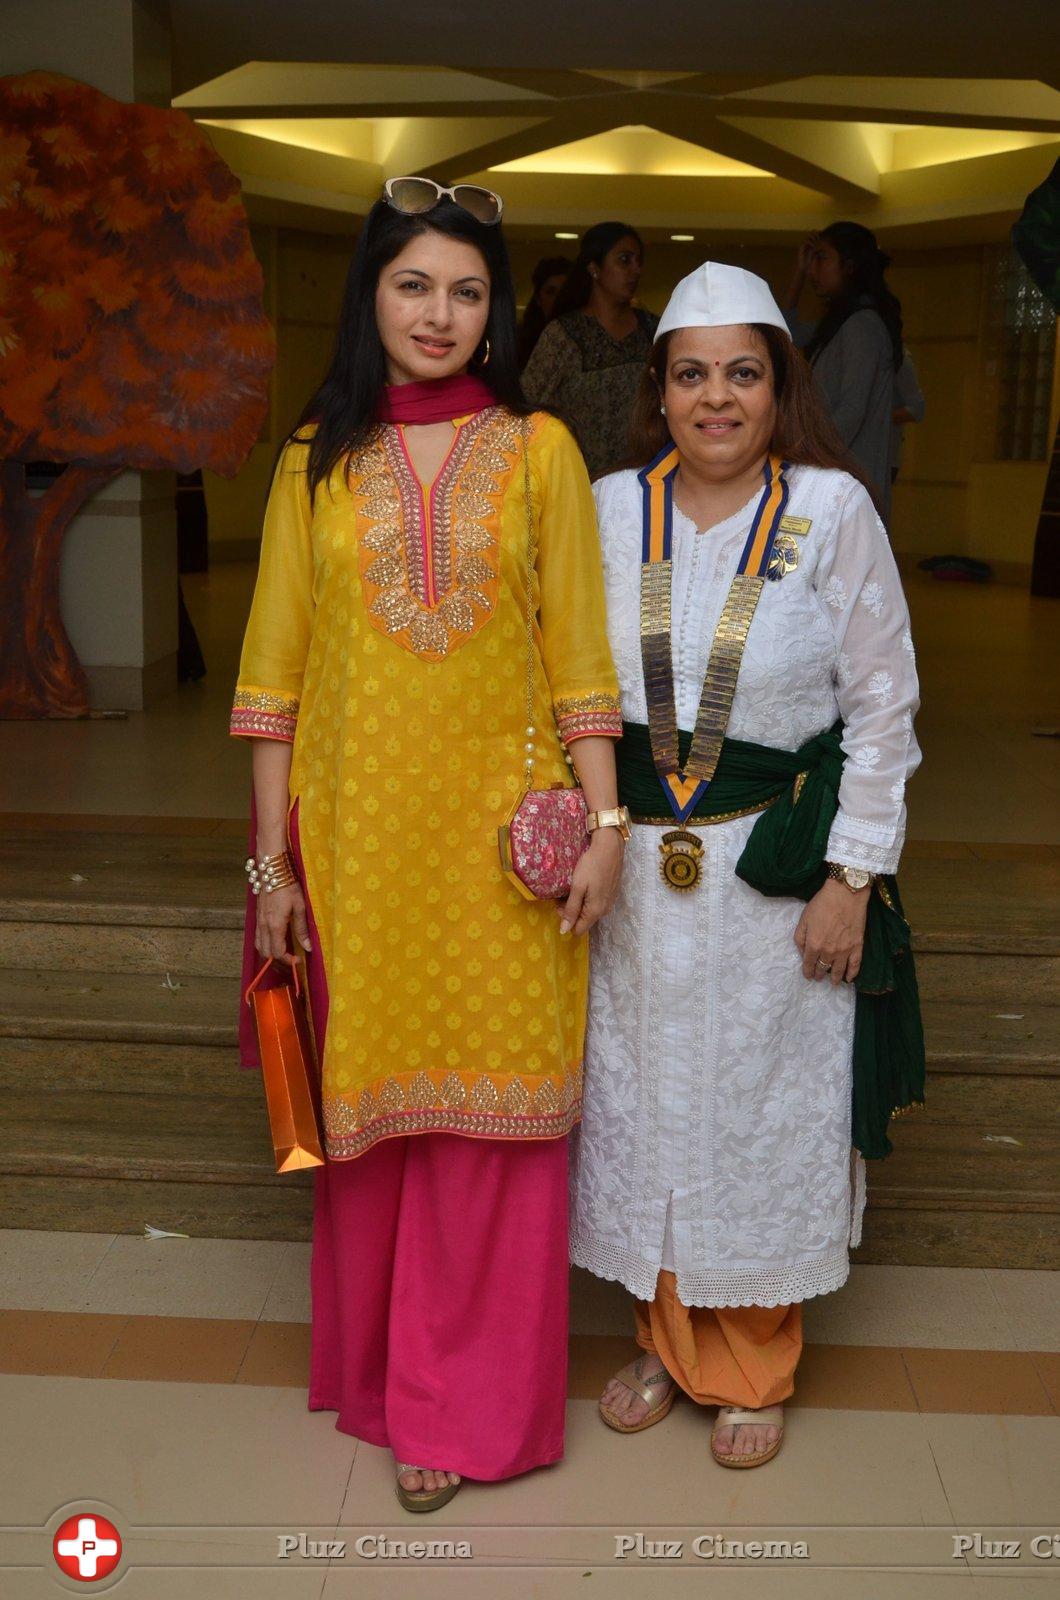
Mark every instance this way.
x=799 y=525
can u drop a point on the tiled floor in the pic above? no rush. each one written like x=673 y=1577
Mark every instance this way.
x=170 y=1377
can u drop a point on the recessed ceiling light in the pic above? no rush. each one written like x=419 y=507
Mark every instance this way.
x=566 y=236
x=682 y=238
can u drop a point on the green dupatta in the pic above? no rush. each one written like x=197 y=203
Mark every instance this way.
x=785 y=855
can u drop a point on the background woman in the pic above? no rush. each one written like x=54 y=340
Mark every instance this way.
x=381 y=683
x=856 y=347
x=589 y=359
x=909 y=406
x=546 y=280
x=753 y=602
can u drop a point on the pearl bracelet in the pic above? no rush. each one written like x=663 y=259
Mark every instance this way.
x=270 y=872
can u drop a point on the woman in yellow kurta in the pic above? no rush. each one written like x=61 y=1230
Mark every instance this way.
x=384 y=680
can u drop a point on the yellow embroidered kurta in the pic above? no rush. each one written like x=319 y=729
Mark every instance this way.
x=387 y=640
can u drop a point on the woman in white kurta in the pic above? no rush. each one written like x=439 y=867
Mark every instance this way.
x=714 y=1166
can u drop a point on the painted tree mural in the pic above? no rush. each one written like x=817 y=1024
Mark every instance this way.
x=132 y=335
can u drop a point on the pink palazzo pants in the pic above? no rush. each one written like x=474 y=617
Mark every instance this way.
x=439 y=1294
x=439 y=1284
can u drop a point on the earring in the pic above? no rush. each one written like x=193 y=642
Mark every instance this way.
x=662 y=408
x=484 y=360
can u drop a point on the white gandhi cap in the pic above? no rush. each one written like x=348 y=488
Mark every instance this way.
x=717 y=296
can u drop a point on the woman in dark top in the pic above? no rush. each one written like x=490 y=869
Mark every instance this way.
x=589 y=360
x=547 y=279
x=856 y=347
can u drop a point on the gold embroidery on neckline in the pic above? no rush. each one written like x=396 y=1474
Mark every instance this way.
x=465 y=548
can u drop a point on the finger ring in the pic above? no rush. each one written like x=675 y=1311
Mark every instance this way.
x=827 y=965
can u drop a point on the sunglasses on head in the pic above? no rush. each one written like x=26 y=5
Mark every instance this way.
x=412 y=196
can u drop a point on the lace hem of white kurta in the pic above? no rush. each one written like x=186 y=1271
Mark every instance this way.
x=768 y=1286
x=730 y=1286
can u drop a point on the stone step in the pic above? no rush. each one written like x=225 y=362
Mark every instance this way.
x=137 y=880
x=202 y=1163
x=1007 y=1088
x=1010 y=1089
x=960 y=1192
x=968 y=1035
x=60 y=1202
x=106 y=1135
x=124 y=1103
x=284 y=1209
x=148 y=880
x=1002 y=1166
x=981 y=1099
x=942 y=1238
x=212 y=952
x=117 y=947
x=191 y=1138
x=109 y=1066
x=976 y=1036
x=169 y=1083
x=118 y=1006
x=1010 y=980
x=981 y=907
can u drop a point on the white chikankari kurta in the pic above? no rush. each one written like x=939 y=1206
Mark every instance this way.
x=715 y=1133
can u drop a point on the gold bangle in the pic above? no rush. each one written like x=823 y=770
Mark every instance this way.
x=270 y=872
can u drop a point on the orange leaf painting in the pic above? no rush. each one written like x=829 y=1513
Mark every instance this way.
x=106 y=202
x=132 y=335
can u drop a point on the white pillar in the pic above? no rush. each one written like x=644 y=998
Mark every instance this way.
x=118 y=591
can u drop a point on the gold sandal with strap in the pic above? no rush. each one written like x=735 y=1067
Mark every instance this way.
x=423 y=1499
x=630 y=1376
x=733 y=1417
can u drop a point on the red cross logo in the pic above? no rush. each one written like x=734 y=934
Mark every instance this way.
x=87 y=1547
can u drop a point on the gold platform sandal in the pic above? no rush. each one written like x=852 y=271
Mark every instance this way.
x=733 y=1417
x=423 y=1499
x=632 y=1379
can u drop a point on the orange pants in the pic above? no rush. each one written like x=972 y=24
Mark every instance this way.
x=722 y=1355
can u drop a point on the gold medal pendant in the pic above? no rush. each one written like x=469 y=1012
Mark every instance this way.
x=681 y=854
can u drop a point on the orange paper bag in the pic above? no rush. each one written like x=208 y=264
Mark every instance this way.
x=289 y=1068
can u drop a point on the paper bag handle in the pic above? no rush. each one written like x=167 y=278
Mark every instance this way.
x=293 y=968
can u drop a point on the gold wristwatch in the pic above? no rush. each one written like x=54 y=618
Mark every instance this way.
x=855 y=878
x=617 y=817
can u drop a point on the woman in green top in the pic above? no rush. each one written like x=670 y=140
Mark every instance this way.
x=589 y=360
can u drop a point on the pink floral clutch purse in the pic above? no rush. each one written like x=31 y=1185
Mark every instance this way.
x=542 y=840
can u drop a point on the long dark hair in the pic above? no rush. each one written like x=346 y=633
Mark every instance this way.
x=533 y=322
x=865 y=288
x=344 y=406
x=804 y=433
x=598 y=240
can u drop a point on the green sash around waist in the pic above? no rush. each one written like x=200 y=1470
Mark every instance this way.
x=785 y=855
